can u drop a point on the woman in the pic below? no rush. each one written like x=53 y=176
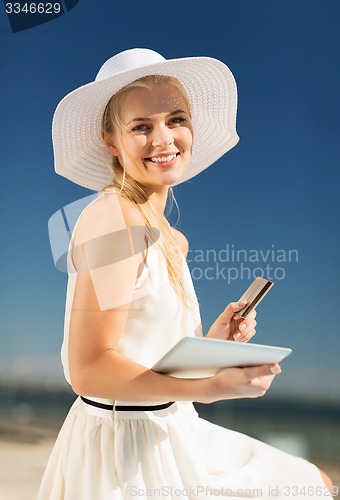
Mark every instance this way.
x=145 y=125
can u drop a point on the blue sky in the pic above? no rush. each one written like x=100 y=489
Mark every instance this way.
x=276 y=190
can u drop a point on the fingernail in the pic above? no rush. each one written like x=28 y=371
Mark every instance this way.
x=242 y=327
x=275 y=369
x=243 y=338
x=237 y=336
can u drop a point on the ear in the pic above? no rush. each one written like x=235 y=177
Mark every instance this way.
x=107 y=139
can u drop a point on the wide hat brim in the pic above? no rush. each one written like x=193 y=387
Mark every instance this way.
x=79 y=152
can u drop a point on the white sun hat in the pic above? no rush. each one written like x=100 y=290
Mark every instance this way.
x=79 y=152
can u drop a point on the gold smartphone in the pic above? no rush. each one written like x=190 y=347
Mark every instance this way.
x=254 y=294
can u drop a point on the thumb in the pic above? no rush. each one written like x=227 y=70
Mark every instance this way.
x=252 y=372
x=231 y=310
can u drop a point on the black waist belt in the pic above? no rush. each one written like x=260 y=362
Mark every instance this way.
x=126 y=408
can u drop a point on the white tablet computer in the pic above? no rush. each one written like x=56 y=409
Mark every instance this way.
x=197 y=357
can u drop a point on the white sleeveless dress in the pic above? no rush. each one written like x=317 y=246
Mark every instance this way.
x=103 y=454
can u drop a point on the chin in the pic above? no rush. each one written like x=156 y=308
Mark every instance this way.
x=168 y=179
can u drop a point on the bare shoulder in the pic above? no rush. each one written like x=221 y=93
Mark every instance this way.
x=181 y=240
x=106 y=214
x=108 y=228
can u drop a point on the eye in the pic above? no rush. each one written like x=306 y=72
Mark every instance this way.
x=140 y=128
x=177 y=120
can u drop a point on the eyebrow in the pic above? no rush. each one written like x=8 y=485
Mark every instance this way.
x=142 y=119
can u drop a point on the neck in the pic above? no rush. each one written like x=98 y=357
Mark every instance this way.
x=158 y=198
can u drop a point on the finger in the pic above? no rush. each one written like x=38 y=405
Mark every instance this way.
x=243 y=326
x=262 y=384
x=245 y=330
x=253 y=372
x=231 y=309
x=245 y=336
x=252 y=314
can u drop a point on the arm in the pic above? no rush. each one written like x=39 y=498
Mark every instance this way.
x=100 y=310
x=96 y=368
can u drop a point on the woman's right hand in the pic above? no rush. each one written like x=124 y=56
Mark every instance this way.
x=234 y=383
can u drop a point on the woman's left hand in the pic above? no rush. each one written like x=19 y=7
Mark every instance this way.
x=230 y=326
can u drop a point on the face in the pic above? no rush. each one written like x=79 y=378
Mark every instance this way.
x=156 y=141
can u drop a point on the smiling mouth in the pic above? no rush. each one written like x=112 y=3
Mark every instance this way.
x=162 y=159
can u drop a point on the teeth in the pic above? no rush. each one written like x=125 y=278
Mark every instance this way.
x=163 y=159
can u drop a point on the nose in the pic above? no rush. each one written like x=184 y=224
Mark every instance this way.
x=162 y=137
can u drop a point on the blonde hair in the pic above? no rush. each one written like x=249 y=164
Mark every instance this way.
x=134 y=192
